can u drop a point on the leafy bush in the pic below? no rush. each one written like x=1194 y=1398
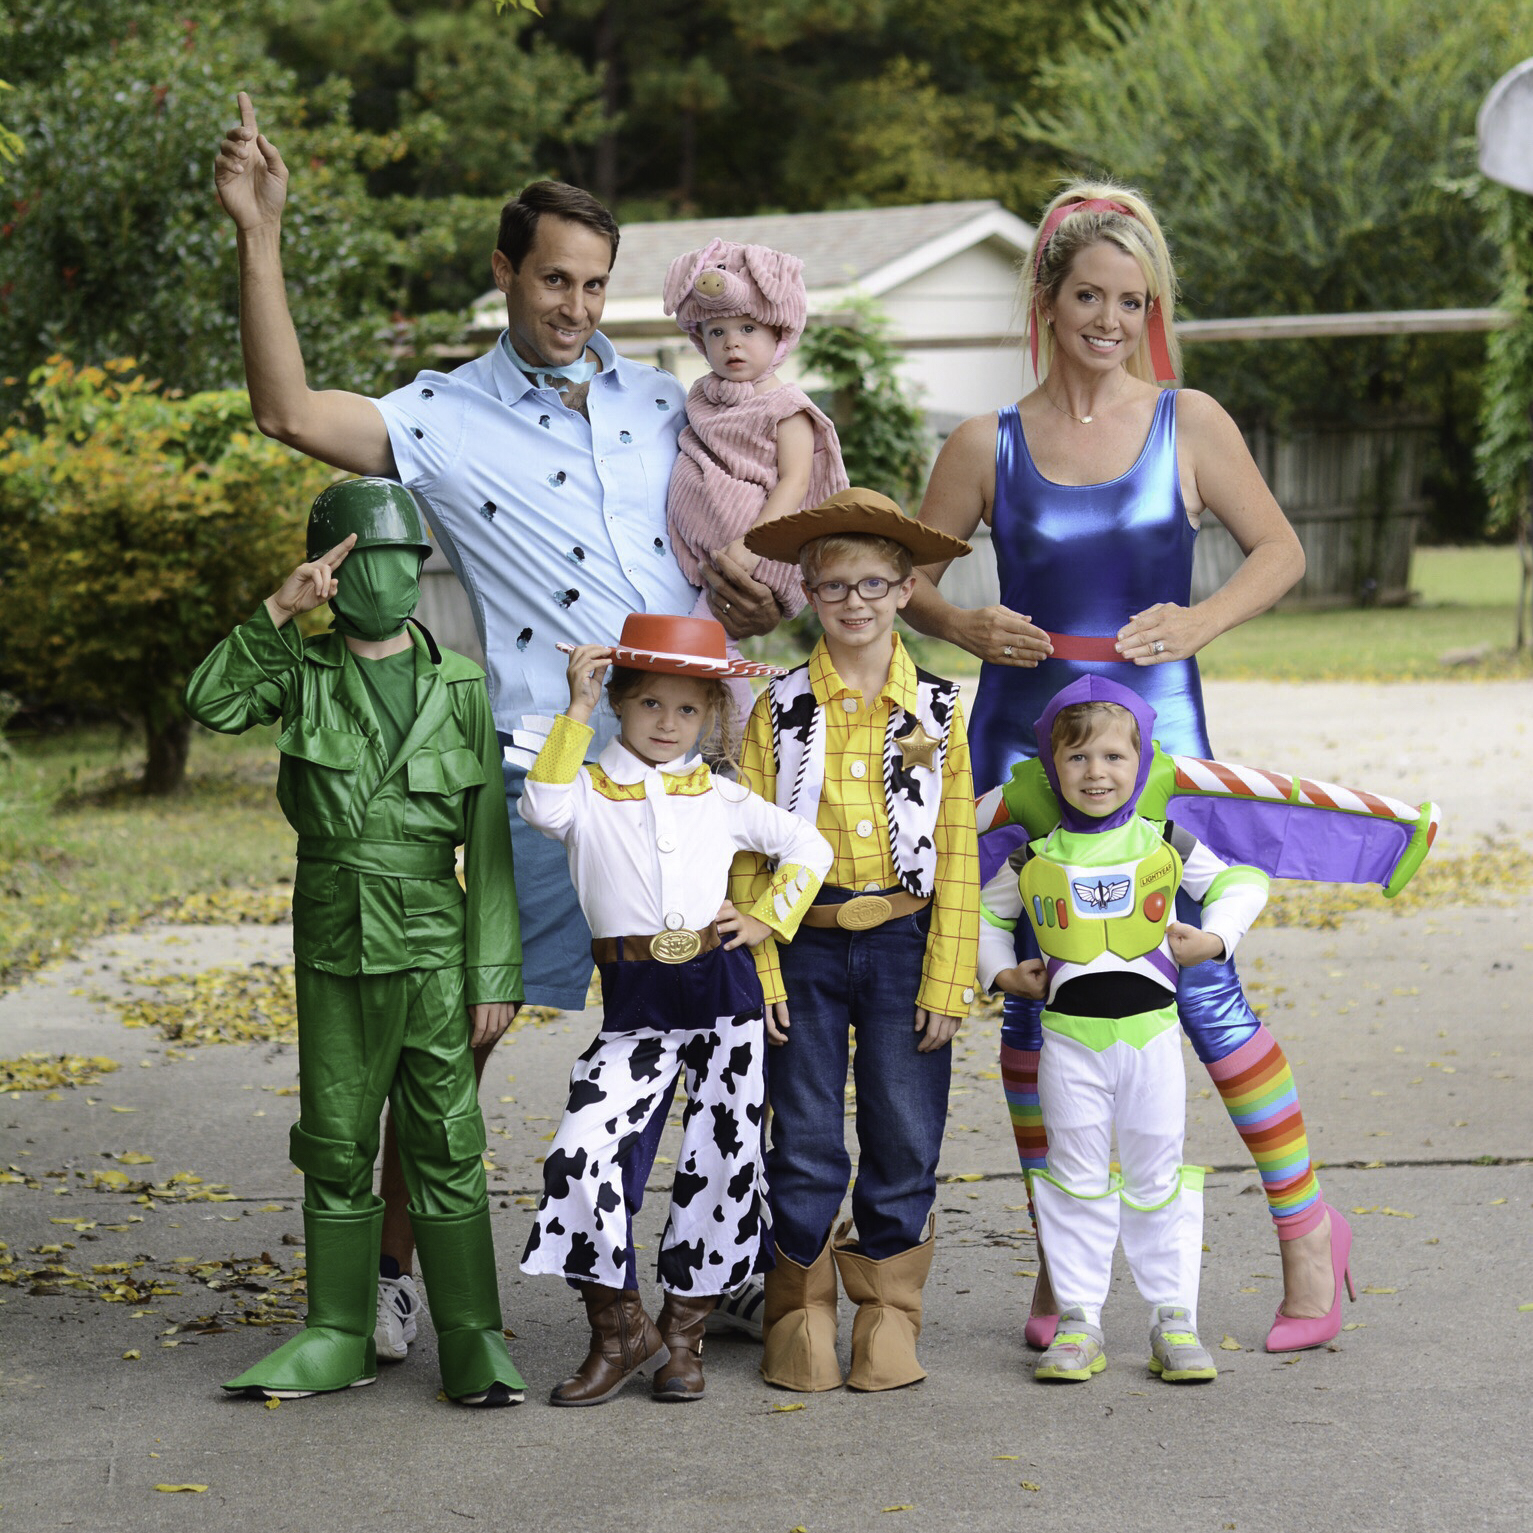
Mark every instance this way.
x=883 y=435
x=139 y=528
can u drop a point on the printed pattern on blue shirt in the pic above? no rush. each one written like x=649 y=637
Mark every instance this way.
x=554 y=523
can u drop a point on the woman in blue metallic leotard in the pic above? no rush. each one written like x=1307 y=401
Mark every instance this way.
x=1092 y=486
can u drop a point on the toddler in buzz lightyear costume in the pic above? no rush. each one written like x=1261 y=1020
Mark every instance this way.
x=389 y=764
x=754 y=448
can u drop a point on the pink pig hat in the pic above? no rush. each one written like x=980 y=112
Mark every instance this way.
x=724 y=278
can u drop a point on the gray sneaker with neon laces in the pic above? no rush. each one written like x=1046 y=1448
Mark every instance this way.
x=1176 y=1354
x=399 y=1302
x=1075 y=1353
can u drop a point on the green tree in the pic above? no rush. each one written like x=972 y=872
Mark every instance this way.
x=477 y=105
x=883 y=436
x=1505 y=453
x=140 y=528
x=115 y=246
x=1302 y=155
x=728 y=107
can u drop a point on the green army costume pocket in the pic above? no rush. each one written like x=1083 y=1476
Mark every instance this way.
x=325 y=927
x=334 y=748
x=465 y=1136
x=445 y=772
x=433 y=910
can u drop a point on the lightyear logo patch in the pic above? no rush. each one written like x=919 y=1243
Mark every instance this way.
x=1101 y=893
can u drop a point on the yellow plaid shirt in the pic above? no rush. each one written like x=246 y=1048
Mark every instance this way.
x=853 y=794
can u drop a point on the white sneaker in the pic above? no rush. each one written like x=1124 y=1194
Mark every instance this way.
x=399 y=1302
x=739 y=1311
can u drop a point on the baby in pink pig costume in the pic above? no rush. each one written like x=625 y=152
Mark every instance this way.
x=754 y=448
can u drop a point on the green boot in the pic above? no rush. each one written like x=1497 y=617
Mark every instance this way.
x=335 y=1348
x=457 y=1261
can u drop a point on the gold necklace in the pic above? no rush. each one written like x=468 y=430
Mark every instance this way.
x=1083 y=420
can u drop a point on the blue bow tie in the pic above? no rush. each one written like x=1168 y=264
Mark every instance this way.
x=556 y=378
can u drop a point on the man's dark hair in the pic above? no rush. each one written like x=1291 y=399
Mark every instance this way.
x=519 y=218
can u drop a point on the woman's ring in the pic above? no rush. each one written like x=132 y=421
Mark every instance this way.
x=725 y=607
x=1006 y=650
x=1157 y=648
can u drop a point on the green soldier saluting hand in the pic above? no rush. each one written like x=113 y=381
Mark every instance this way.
x=389 y=763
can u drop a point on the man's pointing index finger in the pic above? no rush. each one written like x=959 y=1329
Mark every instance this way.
x=247 y=112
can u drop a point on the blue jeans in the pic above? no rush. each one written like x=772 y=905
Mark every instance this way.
x=556 y=942
x=840 y=982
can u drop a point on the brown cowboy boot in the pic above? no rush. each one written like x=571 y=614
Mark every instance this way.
x=887 y=1294
x=681 y=1329
x=798 y=1348
x=623 y=1340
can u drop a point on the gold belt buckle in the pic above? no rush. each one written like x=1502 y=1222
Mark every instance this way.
x=863 y=913
x=675 y=946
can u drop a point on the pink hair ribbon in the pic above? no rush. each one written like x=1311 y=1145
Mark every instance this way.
x=1160 y=352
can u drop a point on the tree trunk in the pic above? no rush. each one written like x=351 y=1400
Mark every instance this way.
x=604 y=158
x=165 y=769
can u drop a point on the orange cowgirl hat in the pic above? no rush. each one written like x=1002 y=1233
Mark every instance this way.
x=682 y=646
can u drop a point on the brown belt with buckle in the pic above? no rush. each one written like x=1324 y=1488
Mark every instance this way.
x=865 y=911
x=664 y=947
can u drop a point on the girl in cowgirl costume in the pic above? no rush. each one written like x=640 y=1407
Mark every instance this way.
x=651 y=834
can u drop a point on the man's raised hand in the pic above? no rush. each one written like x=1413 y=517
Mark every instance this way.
x=309 y=586
x=248 y=173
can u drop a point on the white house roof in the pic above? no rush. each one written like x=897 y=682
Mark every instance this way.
x=867 y=250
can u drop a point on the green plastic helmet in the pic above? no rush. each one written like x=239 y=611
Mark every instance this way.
x=383 y=514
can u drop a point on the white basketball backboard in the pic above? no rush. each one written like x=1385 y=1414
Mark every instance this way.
x=1505 y=128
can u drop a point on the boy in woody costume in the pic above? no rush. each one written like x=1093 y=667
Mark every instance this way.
x=389 y=763
x=873 y=751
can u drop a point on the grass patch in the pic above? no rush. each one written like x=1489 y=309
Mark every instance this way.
x=80 y=853
x=1466 y=602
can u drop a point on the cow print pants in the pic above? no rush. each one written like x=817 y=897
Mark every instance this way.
x=718 y=1227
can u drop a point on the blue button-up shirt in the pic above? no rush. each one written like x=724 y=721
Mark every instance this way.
x=554 y=522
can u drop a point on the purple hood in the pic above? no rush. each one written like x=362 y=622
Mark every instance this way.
x=1097 y=689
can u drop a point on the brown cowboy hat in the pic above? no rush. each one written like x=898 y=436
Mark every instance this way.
x=855 y=511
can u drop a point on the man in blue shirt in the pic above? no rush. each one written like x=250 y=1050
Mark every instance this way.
x=543 y=466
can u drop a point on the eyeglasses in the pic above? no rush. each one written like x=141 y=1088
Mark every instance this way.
x=869 y=589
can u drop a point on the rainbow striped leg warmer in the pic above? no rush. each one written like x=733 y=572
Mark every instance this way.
x=1263 y=1103
x=1019 y=1080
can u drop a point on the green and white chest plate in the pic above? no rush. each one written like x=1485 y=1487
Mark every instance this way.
x=1087 y=895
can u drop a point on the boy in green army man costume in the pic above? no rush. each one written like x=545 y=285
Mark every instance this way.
x=389 y=763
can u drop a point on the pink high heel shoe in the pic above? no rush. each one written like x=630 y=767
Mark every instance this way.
x=1039 y=1331
x=1291 y=1333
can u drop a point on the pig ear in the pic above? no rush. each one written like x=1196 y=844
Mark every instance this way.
x=684 y=272
x=780 y=276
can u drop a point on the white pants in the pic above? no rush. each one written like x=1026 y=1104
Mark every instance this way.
x=1156 y=1205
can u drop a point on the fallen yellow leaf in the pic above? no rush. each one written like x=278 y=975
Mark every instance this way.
x=1523 y=1309
x=271 y=1405
x=273 y=1208
x=1497 y=1202
x=132 y=1357
x=965 y=1176
x=1008 y=1458
x=196 y=1489
x=1381 y=1290
x=1229 y=1344
x=797 y=1407
x=1030 y=1485
x=134 y=1158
